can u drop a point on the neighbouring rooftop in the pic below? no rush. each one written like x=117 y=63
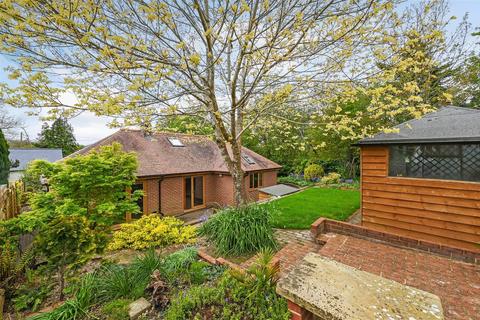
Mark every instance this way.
x=447 y=124
x=24 y=156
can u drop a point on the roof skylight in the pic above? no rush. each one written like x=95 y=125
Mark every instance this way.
x=248 y=159
x=175 y=142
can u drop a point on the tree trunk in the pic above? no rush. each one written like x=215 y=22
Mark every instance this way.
x=61 y=275
x=2 y=302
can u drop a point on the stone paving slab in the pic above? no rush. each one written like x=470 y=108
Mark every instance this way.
x=332 y=290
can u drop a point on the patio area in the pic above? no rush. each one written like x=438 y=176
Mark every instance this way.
x=456 y=282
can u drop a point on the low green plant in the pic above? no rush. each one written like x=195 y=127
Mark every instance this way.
x=331 y=178
x=175 y=264
x=13 y=265
x=78 y=306
x=127 y=281
x=242 y=230
x=313 y=171
x=152 y=231
x=116 y=309
x=295 y=181
x=33 y=292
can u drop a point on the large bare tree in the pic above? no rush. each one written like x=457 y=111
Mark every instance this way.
x=231 y=62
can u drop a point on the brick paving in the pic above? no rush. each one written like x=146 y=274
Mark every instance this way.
x=456 y=283
x=294 y=244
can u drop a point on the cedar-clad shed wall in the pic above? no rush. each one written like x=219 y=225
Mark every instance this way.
x=440 y=211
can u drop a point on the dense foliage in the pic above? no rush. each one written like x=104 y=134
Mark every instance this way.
x=239 y=231
x=4 y=160
x=152 y=231
x=234 y=296
x=71 y=222
x=58 y=135
x=295 y=180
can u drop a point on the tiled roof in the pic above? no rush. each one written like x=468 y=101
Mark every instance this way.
x=24 y=156
x=157 y=155
x=447 y=124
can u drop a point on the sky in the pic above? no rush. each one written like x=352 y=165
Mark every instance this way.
x=89 y=128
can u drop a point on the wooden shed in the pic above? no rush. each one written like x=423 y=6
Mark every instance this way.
x=424 y=180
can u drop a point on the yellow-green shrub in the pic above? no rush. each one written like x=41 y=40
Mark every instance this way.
x=331 y=178
x=313 y=171
x=152 y=231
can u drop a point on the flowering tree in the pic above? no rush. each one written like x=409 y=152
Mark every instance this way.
x=414 y=72
x=229 y=62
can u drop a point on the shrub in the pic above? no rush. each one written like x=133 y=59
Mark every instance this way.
x=242 y=230
x=116 y=309
x=178 y=262
x=313 y=172
x=152 y=231
x=331 y=178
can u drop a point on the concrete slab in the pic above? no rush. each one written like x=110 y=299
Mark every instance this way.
x=332 y=290
x=138 y=307
x=279 y=190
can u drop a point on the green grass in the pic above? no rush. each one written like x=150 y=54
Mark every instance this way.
x=300 y=210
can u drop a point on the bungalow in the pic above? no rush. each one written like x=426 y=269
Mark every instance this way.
x=423 y=181
x=20 y=158
x=180 y=173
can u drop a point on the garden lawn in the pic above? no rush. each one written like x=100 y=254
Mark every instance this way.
x=300 y=210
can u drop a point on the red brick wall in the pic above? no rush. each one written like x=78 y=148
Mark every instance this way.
x=150 y=190
x=218 y=192
x=269 y=179
x=172 y=195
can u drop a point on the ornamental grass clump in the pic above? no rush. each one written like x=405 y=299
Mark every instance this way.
x=152 y=231
x=240 y=231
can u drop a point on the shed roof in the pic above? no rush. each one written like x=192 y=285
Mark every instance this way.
x=24 y=156
x=158 y=156
x=447 y=124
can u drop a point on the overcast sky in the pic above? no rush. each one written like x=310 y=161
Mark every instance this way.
x=88 y=128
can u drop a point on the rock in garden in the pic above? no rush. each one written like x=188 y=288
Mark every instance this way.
x=137 y=307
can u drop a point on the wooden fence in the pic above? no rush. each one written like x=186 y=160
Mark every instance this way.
x=10 y=202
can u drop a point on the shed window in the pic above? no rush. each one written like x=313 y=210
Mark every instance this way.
x=256 y=180
x=436 y=161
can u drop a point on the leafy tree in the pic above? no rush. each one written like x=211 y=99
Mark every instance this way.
x=4 y=160
x=468 y=90
x=58 y=135
x=68 y=240
x=415 y=70
x=225 y=62
x=88 y=193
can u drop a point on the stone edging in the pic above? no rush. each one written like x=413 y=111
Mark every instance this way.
x=224 y=262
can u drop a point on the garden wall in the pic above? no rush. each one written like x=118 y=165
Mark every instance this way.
x=439 y=211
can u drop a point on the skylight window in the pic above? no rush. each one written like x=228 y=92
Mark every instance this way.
x=248 y=159
x=175 y=142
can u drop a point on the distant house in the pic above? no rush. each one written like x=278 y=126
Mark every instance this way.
x=424 y=181
x=180 y=173
x=21 y=157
